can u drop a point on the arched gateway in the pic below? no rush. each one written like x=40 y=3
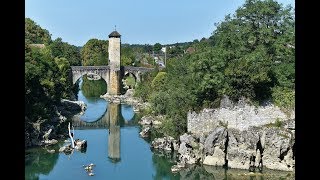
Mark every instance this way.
x=113 y=73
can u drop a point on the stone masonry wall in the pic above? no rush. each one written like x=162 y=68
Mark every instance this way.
x=114 y=53
x=239 y=117
x=114 y=87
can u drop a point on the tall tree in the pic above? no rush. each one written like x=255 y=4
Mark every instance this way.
x=157 y=47
x=34 y=34
x=257 y=42
x=95 y=53
x=63 y=49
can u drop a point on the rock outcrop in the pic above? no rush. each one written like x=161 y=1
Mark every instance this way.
x=167 y=143
x=147 y=123
x=48 y=131
x=80 y=145
x=128 y=99
x=253 y=149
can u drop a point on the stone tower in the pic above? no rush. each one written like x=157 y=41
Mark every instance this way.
x=114 y=63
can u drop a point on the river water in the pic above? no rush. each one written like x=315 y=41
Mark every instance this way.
x=117 y=150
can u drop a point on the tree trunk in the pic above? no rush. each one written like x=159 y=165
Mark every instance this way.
x=72 y=142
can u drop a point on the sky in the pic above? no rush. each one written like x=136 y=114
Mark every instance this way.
x=138 y=21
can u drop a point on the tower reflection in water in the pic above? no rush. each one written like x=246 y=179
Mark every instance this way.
x=115 y=117
x=114 y=132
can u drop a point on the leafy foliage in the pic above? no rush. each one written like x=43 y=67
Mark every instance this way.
x=157 y=47
x=46 y=72
x=63 y=49
x=95 y=53
x=127 y=56
x=158 y=82
x=283 y=97
x=34 y=34
x=45 y=82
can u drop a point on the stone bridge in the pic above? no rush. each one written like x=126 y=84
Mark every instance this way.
x=104 y=72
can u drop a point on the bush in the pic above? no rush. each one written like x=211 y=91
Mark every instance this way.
x=159 y=81
x=284 y=97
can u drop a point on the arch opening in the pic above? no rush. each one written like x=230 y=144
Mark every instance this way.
x=129 y=80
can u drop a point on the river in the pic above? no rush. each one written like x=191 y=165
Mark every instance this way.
x=117 y=150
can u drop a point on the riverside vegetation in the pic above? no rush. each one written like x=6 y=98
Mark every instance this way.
x=251 y=55
x=241 y=76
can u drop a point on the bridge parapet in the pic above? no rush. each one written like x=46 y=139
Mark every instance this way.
x=89 y=68
x=135 y=69
x=104 y=72
x=125 y=68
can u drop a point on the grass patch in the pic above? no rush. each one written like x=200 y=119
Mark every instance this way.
x=278 y=123
x=223 y=124
x=130 y=81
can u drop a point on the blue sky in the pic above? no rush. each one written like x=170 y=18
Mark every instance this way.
x=138 y=21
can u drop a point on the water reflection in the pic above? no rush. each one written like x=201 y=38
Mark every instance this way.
x=115 y=116
x=39 y=161
x=89 y=93
x=114 y=132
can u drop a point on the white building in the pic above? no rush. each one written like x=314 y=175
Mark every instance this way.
x=163 y=49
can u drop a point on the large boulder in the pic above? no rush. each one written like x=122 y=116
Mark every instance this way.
x=51 y=142
x=242 y=146
x=217 y=159
x=278 y=149
x=217 y=138
x=146 y=120
x=145 y=132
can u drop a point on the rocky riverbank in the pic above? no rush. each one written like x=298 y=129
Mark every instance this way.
x=47 y=131
x=127 y=98
x=263 y=137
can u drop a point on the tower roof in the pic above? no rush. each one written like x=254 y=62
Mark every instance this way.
x=114 y=34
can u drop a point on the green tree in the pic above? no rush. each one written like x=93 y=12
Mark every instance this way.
x=157 y=47
x=95 y=53
x=127 y=56
x=159 y=81
x=207 y=71
x=34 y=34
x=256 y=41
x=62 y=49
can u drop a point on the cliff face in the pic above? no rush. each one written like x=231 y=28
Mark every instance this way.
x=257 y=147
x=252 y=149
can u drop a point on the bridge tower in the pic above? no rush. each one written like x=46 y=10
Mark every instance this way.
x=114 y=63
